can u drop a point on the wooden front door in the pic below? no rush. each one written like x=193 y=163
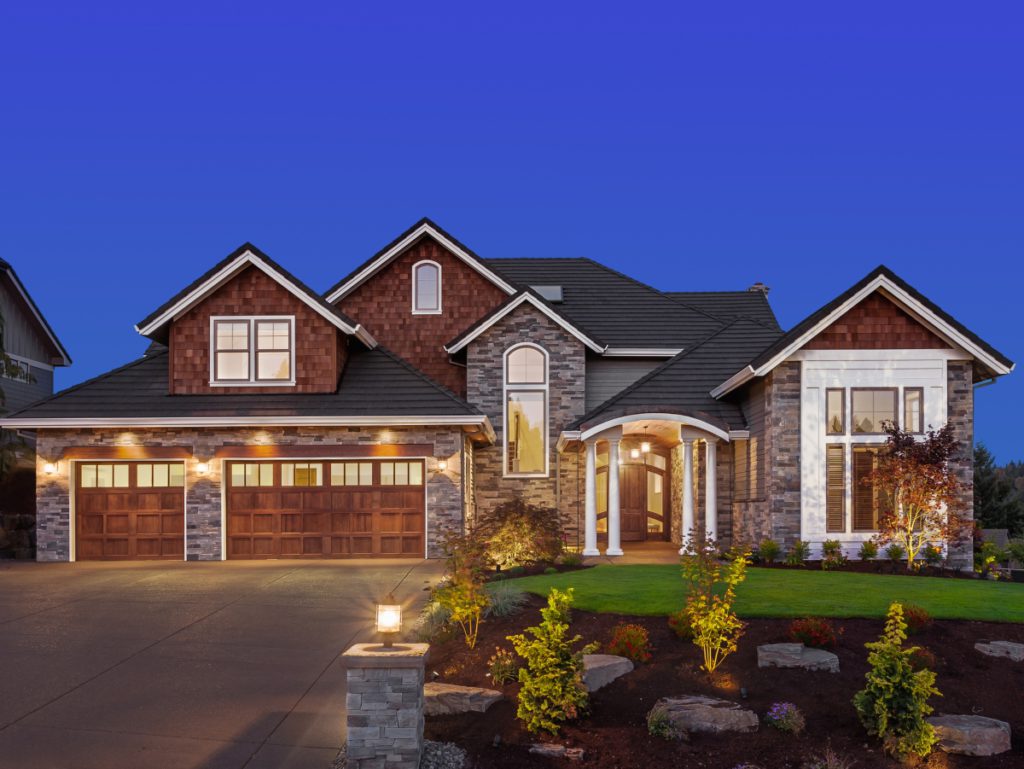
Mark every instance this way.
x=643 y=498
x=633 y=501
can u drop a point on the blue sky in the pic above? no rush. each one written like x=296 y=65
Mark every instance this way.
x=692 y=145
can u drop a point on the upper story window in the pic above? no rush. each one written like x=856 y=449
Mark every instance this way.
x=426 y=288
x=18 y=370
x=836 y=411
x=913 y=409
x=526 y=411
x=872 y=408
x=252 y=351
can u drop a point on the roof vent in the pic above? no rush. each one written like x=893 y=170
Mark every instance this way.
x=759 y=286
x=551 y=293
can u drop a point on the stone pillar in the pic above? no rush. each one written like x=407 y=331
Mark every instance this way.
x=590 y=502
x=614 y=506
x=385 y=705
x=711 y=489
x=686 y=523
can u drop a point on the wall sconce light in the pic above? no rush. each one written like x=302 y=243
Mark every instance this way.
x=50 y=468
x=634 y=453
x=442 y=465
x=389 y=620
x=203 y=468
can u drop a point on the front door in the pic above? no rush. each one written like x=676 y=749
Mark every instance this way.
x=643 y=496
x=633 y=501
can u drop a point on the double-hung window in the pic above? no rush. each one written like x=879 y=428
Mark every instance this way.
x=526 y=411
x=252 y=351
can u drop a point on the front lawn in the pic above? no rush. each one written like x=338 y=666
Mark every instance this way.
x=658 y=590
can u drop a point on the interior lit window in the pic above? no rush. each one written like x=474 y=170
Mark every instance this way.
x=526 y=411
x=913 y=410
x=252 y=350
x=426 y=287
x=835 y=406
x=872 y=409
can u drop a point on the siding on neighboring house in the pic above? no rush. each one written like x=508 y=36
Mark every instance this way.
x=18 y=394
x=607 y=377
x=22 y=337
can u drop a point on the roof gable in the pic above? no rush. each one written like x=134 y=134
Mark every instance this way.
x=247 y=255
x=423 y=228
x=36 y=314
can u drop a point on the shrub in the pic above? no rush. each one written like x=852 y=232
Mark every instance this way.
x=465 y=595
x=516 y=571
x=895 y=553
x=816 y=632
x=1015 y=549
x=716 y=628
x=894 y=704
x=768 y=551
x=552 y=682
x=679 y=621
x=798 y=553
x=505 y=600
x=868 y=550
x=932 y=555
x=829 y=759
x=631 y=642
x=832 y=554
x=786 y=717
x=917 y=618
x=433 y=624
x=572 y=559
x=551 y=570
x=987 y=559
x=518 y=533
x=660 y=725
x=924 y=659
x=502 y=666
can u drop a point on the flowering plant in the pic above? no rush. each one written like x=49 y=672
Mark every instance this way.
x=786 y=717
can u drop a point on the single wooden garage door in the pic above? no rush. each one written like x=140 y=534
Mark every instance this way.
x=129 y=511
x=325 y=509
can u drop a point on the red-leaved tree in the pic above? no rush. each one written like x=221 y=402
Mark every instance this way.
x=917 y=477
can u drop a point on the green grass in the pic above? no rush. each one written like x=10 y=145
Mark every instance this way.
x=658 y=590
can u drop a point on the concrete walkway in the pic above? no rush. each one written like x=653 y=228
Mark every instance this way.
x=179 y=665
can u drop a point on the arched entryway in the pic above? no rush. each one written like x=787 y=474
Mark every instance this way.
x=644 y=483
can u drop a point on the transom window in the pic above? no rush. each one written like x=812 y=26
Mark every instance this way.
x=426 y=288
x=872 y=409
x=526 y=411
x=253 y=351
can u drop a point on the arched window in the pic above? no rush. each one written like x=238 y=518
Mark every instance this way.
x=526 y=411
x=426 y=288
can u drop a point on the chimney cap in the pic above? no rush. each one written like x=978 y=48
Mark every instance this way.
x=759 y=286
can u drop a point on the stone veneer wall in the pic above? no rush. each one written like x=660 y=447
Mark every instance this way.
x=566 y=403
x=203 y=492
x=724 y=487
x=960 y=414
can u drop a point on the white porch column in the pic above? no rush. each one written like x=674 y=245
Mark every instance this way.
x=590 y=502
x=711 y=489
x=686 y=525
x=614 y=510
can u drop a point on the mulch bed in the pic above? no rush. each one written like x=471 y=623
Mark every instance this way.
x=615 y=736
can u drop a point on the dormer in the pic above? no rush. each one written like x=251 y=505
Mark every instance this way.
x=249 y=326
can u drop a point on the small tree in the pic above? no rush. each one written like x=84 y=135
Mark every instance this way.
x=894 y=704
x=519 y=533
x=552 y=682
x=713 y=622
x=465 y=596
x=920 y=486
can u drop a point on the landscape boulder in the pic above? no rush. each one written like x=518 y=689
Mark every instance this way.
x=448 y=699
x=1014 y=651
x=792 y=655
x=971 y=735
x=599 y=670
x=697 y=714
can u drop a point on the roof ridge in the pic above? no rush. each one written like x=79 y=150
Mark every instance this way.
x=429 y=380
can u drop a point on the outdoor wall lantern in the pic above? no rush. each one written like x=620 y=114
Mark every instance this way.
x=442 y=465
x=50 y=468
x=203 y=468
x=389 y=620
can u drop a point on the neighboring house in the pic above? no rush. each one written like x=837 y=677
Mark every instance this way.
x=269 y=421
x=29 y=342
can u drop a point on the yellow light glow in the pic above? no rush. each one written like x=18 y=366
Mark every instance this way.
x=442 y=465
x=634 y=453
x=50 y=468
x=389 y=618
x=645 y=447
x=202 y=468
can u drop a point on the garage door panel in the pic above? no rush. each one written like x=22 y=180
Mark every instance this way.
x=263 y=523
x=147 y=524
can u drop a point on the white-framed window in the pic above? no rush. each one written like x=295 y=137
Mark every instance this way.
x=526 y=411
x=16 y=369
x=426 y=288
x=246 y=351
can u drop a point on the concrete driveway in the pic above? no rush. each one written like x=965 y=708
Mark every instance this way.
x=179 y=665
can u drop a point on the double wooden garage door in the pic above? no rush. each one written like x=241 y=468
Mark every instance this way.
x=325 y=509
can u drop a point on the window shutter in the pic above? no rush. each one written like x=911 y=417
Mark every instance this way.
x=835 y=494
x=863 y=491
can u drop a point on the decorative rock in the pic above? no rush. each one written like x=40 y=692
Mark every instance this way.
x=971 y=735
x=696 y=714
x=550 y=750
x=447 y=699
x=1009 y=649
x=790 y=655
x=599 y=670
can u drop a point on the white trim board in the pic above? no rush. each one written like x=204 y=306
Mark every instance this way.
x=508 y=308
x=236 y=265
x=891 y=291
x=642 y=352
x=404 y=243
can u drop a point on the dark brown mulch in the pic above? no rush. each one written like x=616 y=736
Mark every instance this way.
x=614 y=735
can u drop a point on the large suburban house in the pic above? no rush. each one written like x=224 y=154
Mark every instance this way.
x=269 y=421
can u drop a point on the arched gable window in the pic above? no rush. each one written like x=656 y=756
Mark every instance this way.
x=526 y=411
x=426 y=288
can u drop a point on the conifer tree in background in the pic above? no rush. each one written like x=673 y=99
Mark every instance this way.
x=997 y=503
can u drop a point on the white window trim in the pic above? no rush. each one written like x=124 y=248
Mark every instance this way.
x=544 y=388
x=415 y=284
x=251 y=320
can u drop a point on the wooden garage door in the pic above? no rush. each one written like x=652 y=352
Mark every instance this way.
x=129 y=511
x=325 y=509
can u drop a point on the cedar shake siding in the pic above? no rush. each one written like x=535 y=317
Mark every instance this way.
x=876 y=324
x=383 y=304
x=319 y=353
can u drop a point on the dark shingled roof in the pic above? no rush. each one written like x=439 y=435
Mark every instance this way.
x=683 y=384
x=313 y=295
x=619 y=310
x=822 y=312
x=375 y=383
x=730 y=305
